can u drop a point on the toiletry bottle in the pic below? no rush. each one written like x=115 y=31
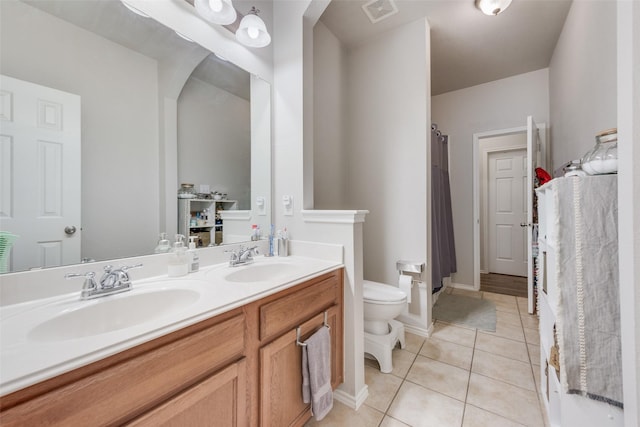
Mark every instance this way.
x=178 y=264
x=283 y=243
x=163 y=244
x=192 y=255
x=271 y=246
x=255 y=232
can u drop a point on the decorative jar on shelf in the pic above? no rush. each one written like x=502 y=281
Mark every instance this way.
x=186 y=191
x=603 y=158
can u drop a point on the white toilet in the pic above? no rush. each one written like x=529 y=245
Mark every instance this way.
x=382 y=303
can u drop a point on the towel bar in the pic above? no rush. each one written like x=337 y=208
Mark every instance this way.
x=298 y=332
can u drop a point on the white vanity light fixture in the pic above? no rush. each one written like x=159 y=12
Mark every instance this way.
x=252 y=31
x=219 y=12
x=492 y=7
x=134 y=9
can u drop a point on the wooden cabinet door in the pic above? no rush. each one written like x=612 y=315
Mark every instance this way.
x=219 y=400
x=281 y=372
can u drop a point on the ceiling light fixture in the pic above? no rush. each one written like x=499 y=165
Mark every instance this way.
x=219 y=12
x=252 y=32
x=134 y=10
x=492 y=7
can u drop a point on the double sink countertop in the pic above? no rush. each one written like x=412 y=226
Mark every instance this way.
x=43 y=338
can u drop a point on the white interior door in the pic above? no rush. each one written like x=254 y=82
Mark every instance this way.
x=533 y=158
x=40 y=172
x=507 y=210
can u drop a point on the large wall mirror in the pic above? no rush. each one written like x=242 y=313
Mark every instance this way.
x=140 y=110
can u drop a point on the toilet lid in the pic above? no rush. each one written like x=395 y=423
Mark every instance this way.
x=373 y=291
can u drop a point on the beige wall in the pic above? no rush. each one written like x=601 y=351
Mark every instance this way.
x=329 y=120
x=582 y=80
x=388 y=109
x=497 y=105
x=371 y=140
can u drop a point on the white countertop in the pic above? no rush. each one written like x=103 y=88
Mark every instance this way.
x=28 y=357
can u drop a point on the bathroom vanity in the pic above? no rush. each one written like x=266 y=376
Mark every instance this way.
x=238 y=366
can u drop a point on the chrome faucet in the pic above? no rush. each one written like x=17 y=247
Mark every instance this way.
x=242 y=256
x=111 y=282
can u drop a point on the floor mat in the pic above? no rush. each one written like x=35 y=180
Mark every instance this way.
x=473 y=312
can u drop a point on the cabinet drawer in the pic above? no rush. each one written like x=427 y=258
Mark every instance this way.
x=290 y=310
x=220 y=399
x=122 y=390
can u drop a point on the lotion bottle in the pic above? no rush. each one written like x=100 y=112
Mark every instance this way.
x=192 y=255
x=178 y=263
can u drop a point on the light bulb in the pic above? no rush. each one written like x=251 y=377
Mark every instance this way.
x=492 y=7
x=219 y=12
x=253 y=32
x=215 y=5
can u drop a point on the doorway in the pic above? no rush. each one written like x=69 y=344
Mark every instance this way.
x=40 y=152
x=511 y=240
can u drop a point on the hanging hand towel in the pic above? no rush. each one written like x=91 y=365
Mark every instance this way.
x=316 y=373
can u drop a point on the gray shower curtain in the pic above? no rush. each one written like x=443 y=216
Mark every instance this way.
x=442 y=243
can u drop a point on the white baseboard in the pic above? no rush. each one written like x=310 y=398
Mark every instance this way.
x=463 y=286
x=416 y=330
x=353 y=402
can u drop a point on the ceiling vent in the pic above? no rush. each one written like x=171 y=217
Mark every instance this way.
x=377 y=10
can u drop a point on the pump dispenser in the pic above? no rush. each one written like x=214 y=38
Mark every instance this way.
x=178 y=263
x=163 y=244
x=192 y=255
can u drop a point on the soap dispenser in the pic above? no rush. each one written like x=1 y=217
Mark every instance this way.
x=192 y=255
x=164 y=245
x=178 y=263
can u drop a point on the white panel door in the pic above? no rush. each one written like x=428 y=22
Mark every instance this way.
x=40 y=171
x=507 y=210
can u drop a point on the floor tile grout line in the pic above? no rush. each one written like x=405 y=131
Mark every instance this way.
x=496 y=414
x=541 y=406
x=395 y=395
x=466 y=395
x=505 y=382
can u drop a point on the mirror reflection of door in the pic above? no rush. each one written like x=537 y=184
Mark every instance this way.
x=40 y=170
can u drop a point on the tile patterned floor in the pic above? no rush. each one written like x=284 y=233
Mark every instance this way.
x=459 y=377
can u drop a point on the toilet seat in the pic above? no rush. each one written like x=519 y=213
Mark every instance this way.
x=379 y=293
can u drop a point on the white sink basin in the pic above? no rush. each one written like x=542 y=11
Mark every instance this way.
x=113 y=313
x=262 y=272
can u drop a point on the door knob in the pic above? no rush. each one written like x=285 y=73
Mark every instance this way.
x=523 y=224
x=70 y=230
